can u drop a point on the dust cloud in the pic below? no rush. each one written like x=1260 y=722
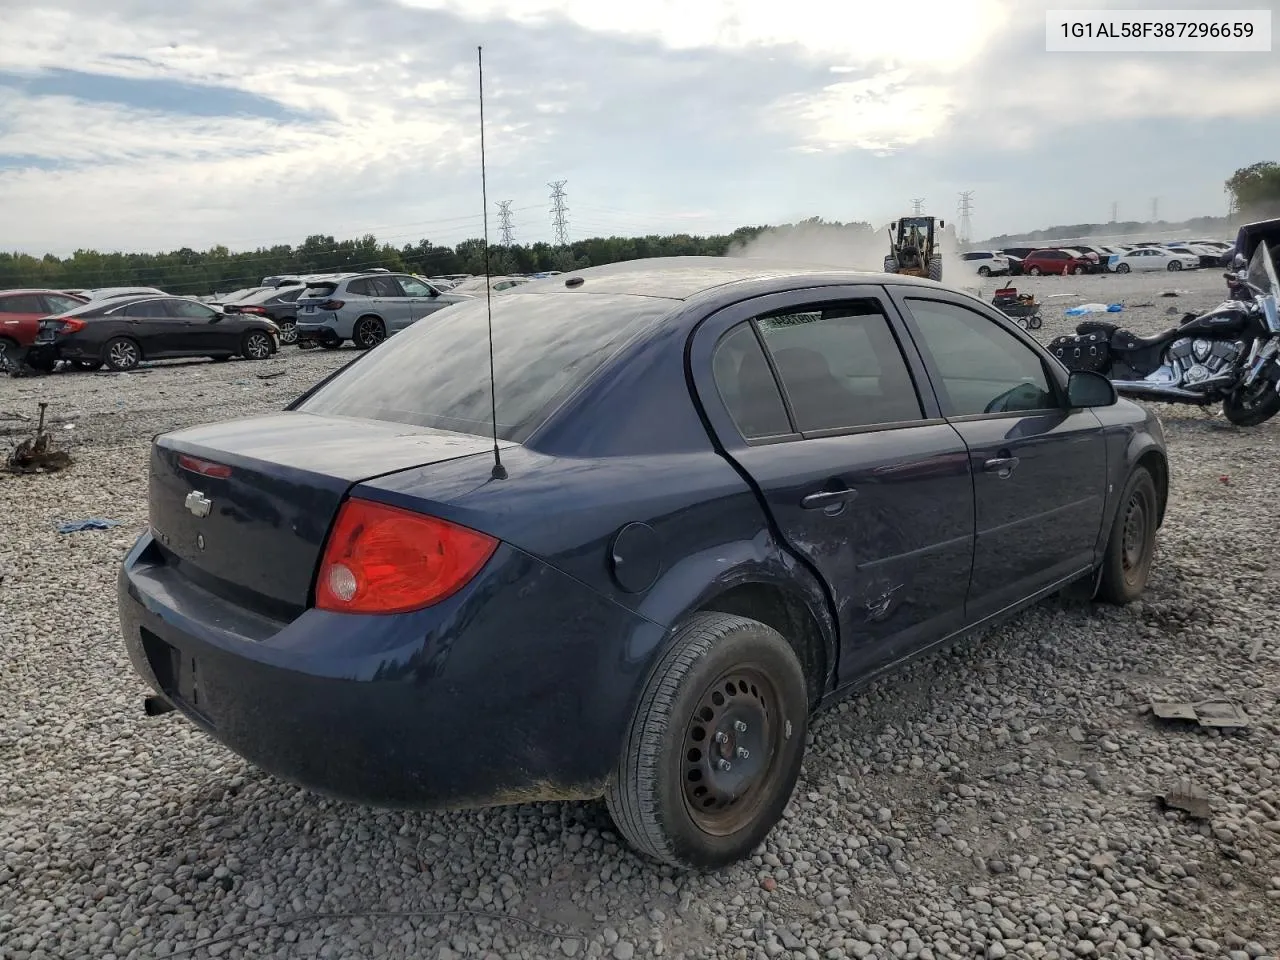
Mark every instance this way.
x=843 y=246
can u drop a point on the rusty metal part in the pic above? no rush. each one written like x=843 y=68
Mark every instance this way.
x=37 y=455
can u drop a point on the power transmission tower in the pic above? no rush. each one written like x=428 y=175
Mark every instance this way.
x=917 y=206
x=1155 y=209
x=558 y=211
x=966 y=215
x=504 y=222
x=1115 y=210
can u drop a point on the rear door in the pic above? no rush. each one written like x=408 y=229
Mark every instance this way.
x=20 y=315
x=811 y=394
x=150 y=323
x=393 y=304
x=1039 y=468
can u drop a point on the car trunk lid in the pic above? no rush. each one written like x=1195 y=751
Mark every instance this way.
x=242 y=508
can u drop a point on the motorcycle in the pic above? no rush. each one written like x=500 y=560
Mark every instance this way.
x=1230 y=354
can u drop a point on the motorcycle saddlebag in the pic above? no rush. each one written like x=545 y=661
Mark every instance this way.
x=1083 y=351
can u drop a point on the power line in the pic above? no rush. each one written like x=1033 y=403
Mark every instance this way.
x=966 y=215
x=917 y=206
x=504 y=221
x=558 y=211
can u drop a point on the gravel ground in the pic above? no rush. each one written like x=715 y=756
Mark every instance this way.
x=992 y=800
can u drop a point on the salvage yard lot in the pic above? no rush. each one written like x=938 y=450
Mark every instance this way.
x=994 y=799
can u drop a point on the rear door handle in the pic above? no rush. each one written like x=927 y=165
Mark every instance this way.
x=1002 y=467
x=826 y=498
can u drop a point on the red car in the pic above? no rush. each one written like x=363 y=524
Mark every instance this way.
x=1054 y=261
x=20 y=314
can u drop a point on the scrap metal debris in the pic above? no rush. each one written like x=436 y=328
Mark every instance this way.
x=93 y=523
x=37 y=455
x=1186 y=796
x=273 y=374
x=1222 y=714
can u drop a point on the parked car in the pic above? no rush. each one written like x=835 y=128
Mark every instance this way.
x=722 y=493
x=124 y=331
x=1015 y=264
x=112 y=293
x=1153 y=258
x=475 y=286
x=1022 y=252
x=987 y=263
x=20 y=313
x=366 y=309
x=1205 y=256
x=277 y=304
x=1054 y=261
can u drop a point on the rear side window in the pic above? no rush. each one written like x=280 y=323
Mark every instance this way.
x=747 y=385
x=361 y=288
x=21 y=303
x=841 y=366
x=436 y=372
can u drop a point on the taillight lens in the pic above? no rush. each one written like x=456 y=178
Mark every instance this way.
x=333 y=305
x=206 y=468
x=70 y=326
x=381 y=559
x=260 y=311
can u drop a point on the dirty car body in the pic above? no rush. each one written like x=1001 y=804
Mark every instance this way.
x=655 y=470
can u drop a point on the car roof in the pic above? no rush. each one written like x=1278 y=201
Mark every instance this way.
x=682 y=278
x=30 y=290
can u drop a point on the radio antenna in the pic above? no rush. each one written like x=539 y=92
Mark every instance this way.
x=499 y=472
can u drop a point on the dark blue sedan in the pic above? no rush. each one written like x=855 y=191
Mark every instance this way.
x=730 y=492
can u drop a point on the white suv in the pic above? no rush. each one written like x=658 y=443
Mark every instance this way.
x=987 y=263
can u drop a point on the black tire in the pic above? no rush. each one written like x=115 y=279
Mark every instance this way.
x=935 y=269
x=9 y=351
x=1126 y=564
x=368 y=332
x=890 y=265
x=288 y=331
x=666 y=768
x=1077 y=270
x=121 y=353
x=1254 y=406
x=1122 y=268
x=984 y=271
x=1033 y=271
x=1174 y=266
x=255 y=345
x=87 y=364
x=1035 y=322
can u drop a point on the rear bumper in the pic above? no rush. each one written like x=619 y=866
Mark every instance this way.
x=516 y=689
x=312 y=333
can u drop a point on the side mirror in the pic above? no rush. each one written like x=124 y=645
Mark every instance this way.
x=434 y=292
x=1088 y=389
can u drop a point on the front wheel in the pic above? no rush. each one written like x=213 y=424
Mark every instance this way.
x=256 y=345
x=368 y=332
x=1122 y=268
x=1253 y=405
x=1174 y=266
x=935 y=269
x=1126 y=565
x=714 y=749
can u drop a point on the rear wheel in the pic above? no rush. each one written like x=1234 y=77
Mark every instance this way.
x=121 y=353
x=1252 y=405
x=288 y=331
x=8 y=353
x=714 y=748
x=368 y=332
x=1077 y=270
x=890 y=265
x=1126 y=565
x=1033 y=271
x=1122 y=268
x=256 y=345
x=984 y=271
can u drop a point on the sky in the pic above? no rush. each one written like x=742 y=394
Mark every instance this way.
x=154 y=125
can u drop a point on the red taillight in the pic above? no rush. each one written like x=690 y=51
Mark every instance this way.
x=333 y=305
x=70 y=326
x=381 y=559
x=206 y=468
x=260 y=311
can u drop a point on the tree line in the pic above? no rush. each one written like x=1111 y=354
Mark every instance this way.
x=1255 y=191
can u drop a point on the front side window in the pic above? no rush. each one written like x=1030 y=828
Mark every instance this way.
x=840 y=366
x=414 y=288
x=984 y=368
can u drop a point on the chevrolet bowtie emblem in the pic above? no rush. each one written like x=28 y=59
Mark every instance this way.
x=198 y=503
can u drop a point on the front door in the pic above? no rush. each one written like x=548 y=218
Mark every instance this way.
x=865 y=483
x=203 y=328
x=422 y=299
x=1039 y=468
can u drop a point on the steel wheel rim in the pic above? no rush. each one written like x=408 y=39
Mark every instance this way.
x=257 y=347
x=369 y=332
x=288 y=332
x=1133 y=537
x=123 y=354
x=738 y=721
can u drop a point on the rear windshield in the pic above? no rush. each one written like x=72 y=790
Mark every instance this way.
x=436 y=373
x=318 y=290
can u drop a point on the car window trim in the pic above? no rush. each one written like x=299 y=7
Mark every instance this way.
x=707 y=332
x=1055 y=372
